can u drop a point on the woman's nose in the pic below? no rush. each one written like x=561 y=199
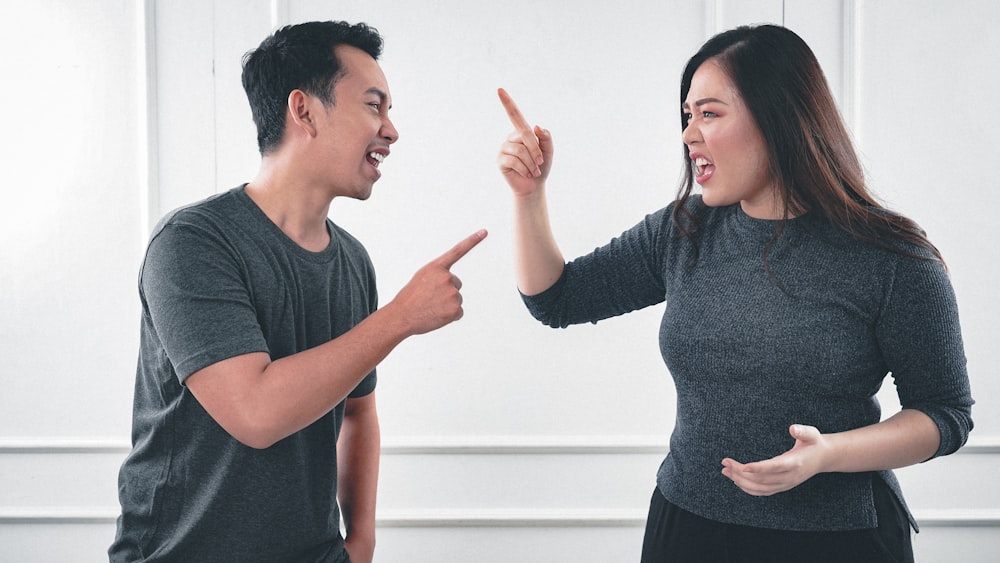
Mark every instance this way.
x=691 y=134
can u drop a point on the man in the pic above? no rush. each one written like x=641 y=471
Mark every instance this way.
x=254 y=405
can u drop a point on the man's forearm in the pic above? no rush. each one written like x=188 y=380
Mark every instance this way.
x=357 y=480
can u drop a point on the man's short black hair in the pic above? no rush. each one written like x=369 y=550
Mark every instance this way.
x=298 y=57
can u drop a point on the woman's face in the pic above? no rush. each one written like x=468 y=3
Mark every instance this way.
x=726 y=147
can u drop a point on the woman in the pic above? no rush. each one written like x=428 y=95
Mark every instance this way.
x=790 y=295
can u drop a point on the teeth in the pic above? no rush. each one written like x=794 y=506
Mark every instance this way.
x=700 y=163
x=377 y=157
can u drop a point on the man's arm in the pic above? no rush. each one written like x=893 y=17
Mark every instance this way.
x=259 y=401
x=357 y=475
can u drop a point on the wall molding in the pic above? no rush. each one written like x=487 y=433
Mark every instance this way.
x=63 y=446
x=480 y=518
x=525 y=445
x=605 y=518
x=434 y=445
x=280 y=11
x=958 y=518
x=148 y=126
x=850 y=34
x=510 y=518
x=18 y=515
x=458 y=518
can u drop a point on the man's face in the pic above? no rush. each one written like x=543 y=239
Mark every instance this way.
x=356 y=131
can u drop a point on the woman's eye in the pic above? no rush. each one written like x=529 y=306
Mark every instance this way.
x=708 y=114
x=687 y=117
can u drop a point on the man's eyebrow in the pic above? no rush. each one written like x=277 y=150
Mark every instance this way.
x=382 y=96
x=704 y=101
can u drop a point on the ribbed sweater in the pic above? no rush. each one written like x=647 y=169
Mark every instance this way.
x=751 y=354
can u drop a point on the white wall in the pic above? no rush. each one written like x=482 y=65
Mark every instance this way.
x=504 y=440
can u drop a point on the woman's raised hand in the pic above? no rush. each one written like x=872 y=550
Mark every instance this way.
x=526 y=156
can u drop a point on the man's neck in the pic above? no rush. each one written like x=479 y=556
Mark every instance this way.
x=296 y=207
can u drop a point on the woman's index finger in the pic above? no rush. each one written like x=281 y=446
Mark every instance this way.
x=512 y=112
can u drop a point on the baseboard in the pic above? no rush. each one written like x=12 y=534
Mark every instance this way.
x=452 y=445
x=481 y=518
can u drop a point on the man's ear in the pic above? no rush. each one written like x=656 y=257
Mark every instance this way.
x=300 y=112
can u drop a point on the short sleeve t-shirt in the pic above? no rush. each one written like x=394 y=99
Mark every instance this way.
x=220 y=280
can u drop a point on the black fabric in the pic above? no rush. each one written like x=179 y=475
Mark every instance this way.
x=676 y=535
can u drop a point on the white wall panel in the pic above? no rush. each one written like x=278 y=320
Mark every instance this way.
x=545 y=500
x=207 y=140
x=604 y=79
x=56 y=542
x=826 y=25
x=504 y=440
x=183 y=50
x=69 y=245
x=924 y=69
x=239 y=27
x=731 y=13
x=83 y=543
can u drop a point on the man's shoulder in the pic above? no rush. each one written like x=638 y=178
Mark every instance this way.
x=206 y=211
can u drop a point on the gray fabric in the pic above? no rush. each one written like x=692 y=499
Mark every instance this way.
x=220 y=280
x=750 y=357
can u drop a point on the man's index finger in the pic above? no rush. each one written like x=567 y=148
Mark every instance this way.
x=448 y=259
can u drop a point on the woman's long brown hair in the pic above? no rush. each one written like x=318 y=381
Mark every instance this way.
x=810 y=152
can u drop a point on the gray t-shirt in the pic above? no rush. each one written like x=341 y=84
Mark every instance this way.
x=750 y=354
x=220 y=280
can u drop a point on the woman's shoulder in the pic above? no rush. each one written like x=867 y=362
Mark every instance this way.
x=891 y=240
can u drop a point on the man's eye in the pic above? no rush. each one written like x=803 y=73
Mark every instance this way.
x=375 y=105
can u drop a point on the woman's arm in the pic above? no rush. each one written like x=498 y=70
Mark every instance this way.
x=906 y=438
x=525 y=160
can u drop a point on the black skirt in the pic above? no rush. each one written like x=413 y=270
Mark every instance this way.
x=676 y=535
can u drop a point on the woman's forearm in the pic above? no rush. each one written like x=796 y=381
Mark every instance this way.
x=538 y=260
x=906 y=438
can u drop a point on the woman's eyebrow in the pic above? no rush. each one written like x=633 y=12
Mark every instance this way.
x=704 y=101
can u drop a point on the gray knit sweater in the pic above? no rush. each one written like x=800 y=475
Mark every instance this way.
x=749 y=356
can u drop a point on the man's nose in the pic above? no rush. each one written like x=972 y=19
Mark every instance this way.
x=389 y=132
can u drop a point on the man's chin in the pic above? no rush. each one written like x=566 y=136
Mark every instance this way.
x=361 y=194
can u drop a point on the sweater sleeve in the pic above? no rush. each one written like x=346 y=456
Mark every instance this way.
x=624 y=275
x=921 y=340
